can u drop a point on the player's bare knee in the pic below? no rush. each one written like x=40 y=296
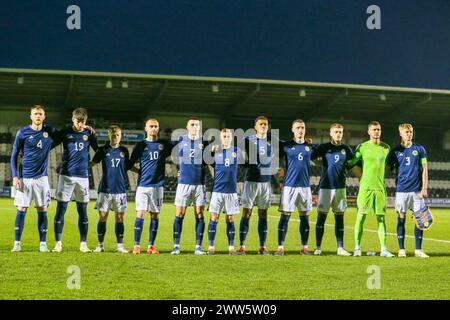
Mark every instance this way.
x=262 y=213
x=40 y=209
x=119 y=217
x=303 y=213
x=246 y=213
x=214 y=217
x=199 y=211
x=402 y=215
x=230 y=219
x=180 y=212
x=154 y=215
x=23 y=209
x=140 y=214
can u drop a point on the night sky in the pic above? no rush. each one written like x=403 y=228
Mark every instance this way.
x=316 y=40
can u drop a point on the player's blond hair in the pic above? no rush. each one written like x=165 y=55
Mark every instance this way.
x=405 y=126
x=37 y=106
x=80 y=114
x=336 y=125
x=225 y=130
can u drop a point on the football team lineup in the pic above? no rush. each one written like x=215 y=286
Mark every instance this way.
x=256 y=153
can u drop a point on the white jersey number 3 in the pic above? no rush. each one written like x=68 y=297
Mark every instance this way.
x=408 y=161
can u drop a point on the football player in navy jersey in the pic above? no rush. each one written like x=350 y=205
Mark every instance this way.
x=112 y=189
x=257 y=188
x=30 y=179
x=224 y=196
x=191 y=188
x=74 y=176
x=296 y=192
x=332 y=191
x=409 y=160
x=151 y=154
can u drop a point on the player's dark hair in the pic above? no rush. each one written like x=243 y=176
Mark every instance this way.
x=192 y=118
x=373 y=123
x=80 y=114
x=261 y=118
x=298 y=120
x=37 y=106
x=114 y=128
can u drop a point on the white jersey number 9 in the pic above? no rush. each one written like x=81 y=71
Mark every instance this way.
x=336 y=158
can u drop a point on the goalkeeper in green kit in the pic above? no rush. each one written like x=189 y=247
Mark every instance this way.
x=372 y=193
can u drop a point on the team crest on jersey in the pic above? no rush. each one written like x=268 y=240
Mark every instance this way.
x=45 y=134
x=85 y=137
x=200 y=145
x=122 y=154
x=161 y=147
x=343 y=151
x=307 y=148
x=234 y=154
x=415 y=153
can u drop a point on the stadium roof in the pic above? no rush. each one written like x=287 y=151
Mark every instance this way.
x=132 y=97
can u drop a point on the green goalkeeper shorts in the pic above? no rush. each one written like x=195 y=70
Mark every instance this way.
x=371 y=201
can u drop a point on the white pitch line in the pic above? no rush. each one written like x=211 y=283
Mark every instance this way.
x=368 y=230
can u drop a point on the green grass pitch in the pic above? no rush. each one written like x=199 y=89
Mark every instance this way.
x=32 y=275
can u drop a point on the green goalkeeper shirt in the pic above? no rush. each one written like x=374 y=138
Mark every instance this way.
x=373 y=157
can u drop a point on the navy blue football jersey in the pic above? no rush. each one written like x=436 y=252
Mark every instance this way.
x=34 y=146
x=114 y=168
x=334 y=163
x=258 y=159
x=152 y=160
x=226 y=170
x=297 y=157
x=192 y=165
x=76 y=144
x=407 y=163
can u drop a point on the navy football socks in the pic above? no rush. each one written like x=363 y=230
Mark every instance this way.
x=19 y=225
x=61 y=209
